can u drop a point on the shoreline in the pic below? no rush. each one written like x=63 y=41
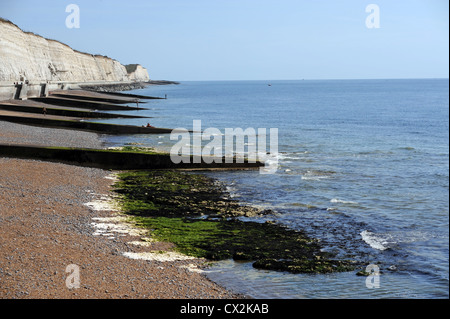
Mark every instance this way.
x=46 y=226
x=136 y=249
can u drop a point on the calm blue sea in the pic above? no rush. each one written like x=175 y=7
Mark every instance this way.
x=363 y=166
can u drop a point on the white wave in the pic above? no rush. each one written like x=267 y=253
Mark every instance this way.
x=375 y=241
x=337 y=200
x=286 y=156
x=383 y=241
x=314 y=178
x=316 y=175
x=232 y=191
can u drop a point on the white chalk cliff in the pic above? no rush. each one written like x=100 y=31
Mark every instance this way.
x=27 y=56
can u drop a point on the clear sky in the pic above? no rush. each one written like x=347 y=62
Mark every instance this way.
x=252 y=39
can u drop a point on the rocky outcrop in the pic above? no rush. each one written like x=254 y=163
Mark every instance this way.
x=27 y=56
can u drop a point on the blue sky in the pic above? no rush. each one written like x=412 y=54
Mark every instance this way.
x=252 y=39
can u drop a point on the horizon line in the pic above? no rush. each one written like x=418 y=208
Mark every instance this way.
x=324 y=79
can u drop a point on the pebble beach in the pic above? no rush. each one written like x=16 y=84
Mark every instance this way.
x=54 y=244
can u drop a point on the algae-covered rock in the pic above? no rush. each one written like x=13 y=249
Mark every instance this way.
x=304 y=265
x=179 y=194
x=197 y=215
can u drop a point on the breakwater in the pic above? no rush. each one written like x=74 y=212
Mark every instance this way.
x=113 y=159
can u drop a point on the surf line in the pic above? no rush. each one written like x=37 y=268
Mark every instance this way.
x=235 y=144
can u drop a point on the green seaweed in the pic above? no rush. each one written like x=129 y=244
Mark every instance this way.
x=194 y=213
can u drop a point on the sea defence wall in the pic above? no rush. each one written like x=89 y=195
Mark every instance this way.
x=117 y=160
x=31 y=65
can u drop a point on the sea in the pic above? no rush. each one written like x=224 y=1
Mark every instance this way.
x=361 y=165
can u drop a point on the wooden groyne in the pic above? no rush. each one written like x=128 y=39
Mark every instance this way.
x=73 y=109
x=28 y=106
x=94 y=96
x=88 y=104
x=137 y=96
x=78 y=124
x=115 y=159
x=38 y=113
x=70 y=112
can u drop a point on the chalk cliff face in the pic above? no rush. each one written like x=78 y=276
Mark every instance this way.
x=26 y=56
x=136 y=72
